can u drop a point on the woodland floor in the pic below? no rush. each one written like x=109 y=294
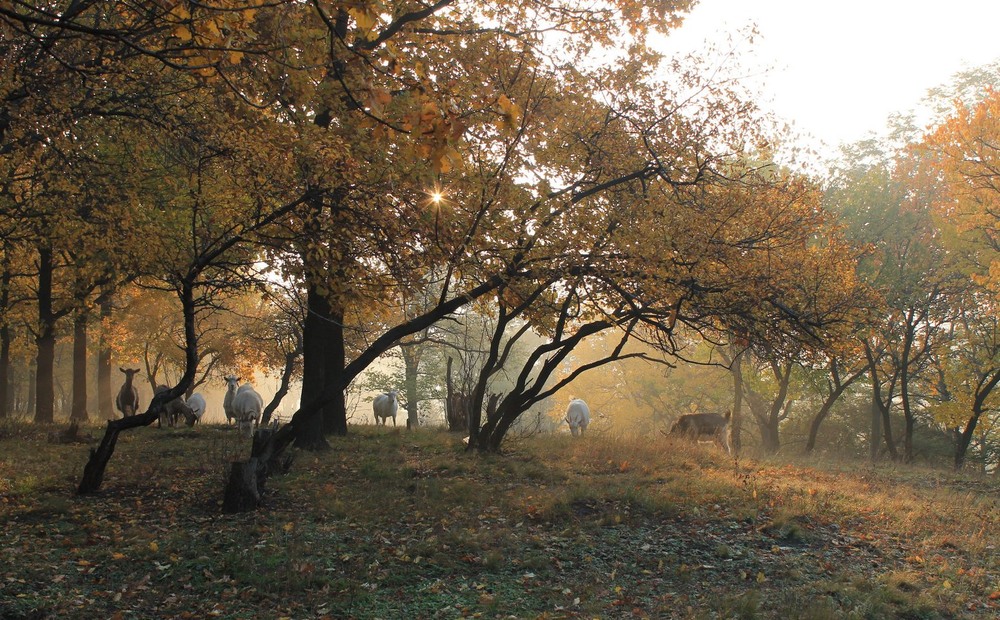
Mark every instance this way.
x=400 y=525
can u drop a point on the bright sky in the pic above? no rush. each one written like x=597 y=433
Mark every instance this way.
x=840 y=69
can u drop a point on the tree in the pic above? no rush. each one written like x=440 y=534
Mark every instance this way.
x=963 y=150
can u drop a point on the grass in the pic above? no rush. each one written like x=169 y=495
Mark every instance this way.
x=391 y=524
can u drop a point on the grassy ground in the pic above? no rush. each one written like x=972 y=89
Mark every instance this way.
x=393 y=525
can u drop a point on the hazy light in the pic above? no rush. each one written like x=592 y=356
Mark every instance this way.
x=436 y=197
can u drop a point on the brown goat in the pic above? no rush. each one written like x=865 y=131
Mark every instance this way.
x=704 y=426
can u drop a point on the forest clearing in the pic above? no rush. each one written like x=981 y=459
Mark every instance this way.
x=235 y=236
x=391 y=524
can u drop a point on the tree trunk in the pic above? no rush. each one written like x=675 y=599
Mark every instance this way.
x=736 y=422
x=456 y=406
x=79 y=411
x=770 y=441
x=244 y=487
x=315 y=342
x=45 y=340
x=29 y=409
x=335 y=412
x=93 y=471
x=6 y=400
x=6 y=394
x=876 y=429
x=411 y=363
x=105 y=398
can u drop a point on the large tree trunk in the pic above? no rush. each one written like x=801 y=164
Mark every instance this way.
x=45 y=340
x=105 y=396
x=315 y=336
x=79 y=411
x=770 y=441
x=335 y=412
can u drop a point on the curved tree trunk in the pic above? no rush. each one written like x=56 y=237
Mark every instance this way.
x=286 y=379
x=93 y=471
x=965 y=439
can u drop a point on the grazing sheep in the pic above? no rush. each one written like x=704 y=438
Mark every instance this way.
x=247 y=406
x=127 y=400
x=197 y=404
x=385 y=406
x=173 y=410
x=577 y=416
x=698 y=426
x=232 y=384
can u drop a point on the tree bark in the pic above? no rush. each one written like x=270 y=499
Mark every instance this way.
x=315 y=341
x=45 y=341
x=335 y=411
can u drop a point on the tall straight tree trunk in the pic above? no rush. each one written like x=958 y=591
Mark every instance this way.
x=6 y=400
x=335 y=412
x=79 y=410
x=105 y=404
x=456 y=404
x=29 y=408
x=411 y=364
x=314 y=360
x=45 y=340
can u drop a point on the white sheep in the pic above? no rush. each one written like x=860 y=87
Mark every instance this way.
x=232 y=384
x=197 y=404
x=385 y=406
x=247 y=407
x=577 y=416
x=127 y=400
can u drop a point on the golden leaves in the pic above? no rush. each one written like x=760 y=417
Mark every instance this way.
x=366 y=19
x=510 y=114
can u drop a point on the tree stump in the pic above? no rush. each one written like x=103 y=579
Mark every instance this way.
x=243 y=491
